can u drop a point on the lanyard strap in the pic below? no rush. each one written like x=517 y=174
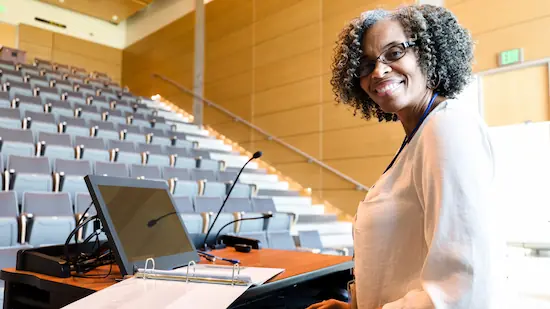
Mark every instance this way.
x=409 y=137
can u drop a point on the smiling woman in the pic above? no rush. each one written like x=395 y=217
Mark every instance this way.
x=422 y=235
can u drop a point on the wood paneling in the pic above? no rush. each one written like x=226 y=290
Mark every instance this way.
x=507 y=28
x=229 y=88
x=346 y=200
x=103 y=9
x=287 y=97
x=370 y=140
x=516 y=96
x=228 y=66
x=229 y=44
x=297 y=121
x=365 y=170
x=63 y=49
x=265 y=8
x=288 y=71
x=308 y=173
x=301 y=14
x=8 y=34
x=338 y=116
x=285 y=46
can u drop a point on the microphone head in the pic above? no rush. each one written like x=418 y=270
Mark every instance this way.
x=151 y=223
x=257 y=154
x=267 y=216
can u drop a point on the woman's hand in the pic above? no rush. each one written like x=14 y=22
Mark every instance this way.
x=330 y=304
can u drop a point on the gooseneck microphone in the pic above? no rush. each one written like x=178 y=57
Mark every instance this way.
x=221 y=246
x=256 y=155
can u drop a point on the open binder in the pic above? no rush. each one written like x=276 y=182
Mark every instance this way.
x=199 y=273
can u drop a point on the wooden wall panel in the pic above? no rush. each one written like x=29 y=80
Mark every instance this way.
x=60 y=48
x=265 y=8
x=365 y=141
x=288 y=71
x=229 y=44
x=229 y=88
x=293 y=120
x=293 y=43
x=510 y=28
x=226 y=67
x=373 y=168
x=288 y=97
x=338 y=116
x=8 y=34
x=301 y=14
x=309 y=174
x=516 y=96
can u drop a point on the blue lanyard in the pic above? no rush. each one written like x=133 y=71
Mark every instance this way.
x=409 y=137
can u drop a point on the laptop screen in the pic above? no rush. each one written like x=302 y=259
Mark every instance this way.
x=126 y=208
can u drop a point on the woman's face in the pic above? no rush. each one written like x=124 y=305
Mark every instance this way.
x=396 y=85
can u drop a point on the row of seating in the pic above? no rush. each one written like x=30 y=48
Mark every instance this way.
x=60 y=73
x=88 y=110
x=47 y=218
x=39 y=174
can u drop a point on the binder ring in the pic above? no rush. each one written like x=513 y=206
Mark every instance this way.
x=192 y=263
x=145 y=268
x=233 y=278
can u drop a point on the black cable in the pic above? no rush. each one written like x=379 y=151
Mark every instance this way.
x=73 y=232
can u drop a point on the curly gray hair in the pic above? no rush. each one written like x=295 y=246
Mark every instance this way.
x=444 y=51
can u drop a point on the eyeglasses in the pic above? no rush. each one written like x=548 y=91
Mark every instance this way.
x=392 y=54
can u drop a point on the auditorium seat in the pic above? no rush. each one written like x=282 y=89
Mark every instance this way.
x=60 y=108
x=41 y=122
x=88 y=112
x=132 y=133
x=72 y=172
x=207 y=164
x=123 y=107
x=47 y=94
x=158 y=138
x=113 y=169
x=30 y=174
x=18 y=88
x=139 y=120
x=9 y=211
x=154 y=154
x=74 y=126
x=55 y=77
x=109 y=94
x=224 y=176
x=51 y=215
x=176 y=172
x=74 y=98
x=281 y=240
x=99 y=101
x=147 y=172
x=114 y=116
x=312 y=240
x=42 y=83
x=279 y=221
x=55 y=146
x=91 y=149
x=179 y=151
x=31 y=104
x=210 y=206
x=103 y=130
x=5 y=100
x=259 y=235
x=10 y=76
x=204 y=154
x=184 y=187
x=213 y=189
x=184 y=162
x=197 y=174
x=125 y=152
x=10 y=118
x=28 y=70
x=193 y=221
x=241 y=190
x=16 y=142
x=86 y=90
x=6 y=65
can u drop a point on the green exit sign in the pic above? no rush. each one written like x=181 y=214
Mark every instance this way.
x=511 y=56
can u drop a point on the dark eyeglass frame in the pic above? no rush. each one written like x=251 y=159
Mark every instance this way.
x=381 y=58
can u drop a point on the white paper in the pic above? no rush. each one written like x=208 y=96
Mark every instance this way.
x=148 y=293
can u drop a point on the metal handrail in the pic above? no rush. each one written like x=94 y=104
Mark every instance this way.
x=311 y=159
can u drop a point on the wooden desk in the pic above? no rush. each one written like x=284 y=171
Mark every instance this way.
x=32 y=290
